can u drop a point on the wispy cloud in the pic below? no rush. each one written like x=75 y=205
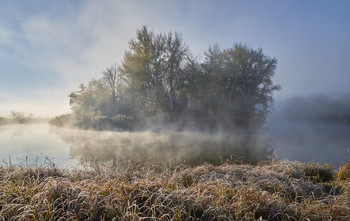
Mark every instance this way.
x=71 y=51
x=55 y=46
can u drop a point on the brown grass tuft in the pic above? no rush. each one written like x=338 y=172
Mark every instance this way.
x=343 y=173
x=134 y=191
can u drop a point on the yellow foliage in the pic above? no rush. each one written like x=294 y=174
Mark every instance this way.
x=344 y=172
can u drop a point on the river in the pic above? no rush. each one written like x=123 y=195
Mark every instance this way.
x=37 y=144
x=33 y=144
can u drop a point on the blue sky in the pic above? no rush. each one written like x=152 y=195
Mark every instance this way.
x=47 y=48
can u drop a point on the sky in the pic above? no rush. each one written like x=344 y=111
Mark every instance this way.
x=47 y=48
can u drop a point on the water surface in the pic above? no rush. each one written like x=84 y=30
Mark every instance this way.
x=33 y=144
x=302 y=141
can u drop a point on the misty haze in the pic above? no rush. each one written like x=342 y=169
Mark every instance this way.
x=314 y=128
x=174 y=110
x=299 y=128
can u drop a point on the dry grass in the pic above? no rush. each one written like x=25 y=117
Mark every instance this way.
x=134 y=191
x=343 y=173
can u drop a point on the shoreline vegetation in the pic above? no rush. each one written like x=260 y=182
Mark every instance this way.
x=21 y=118
x=159 y=85
x=134 y=191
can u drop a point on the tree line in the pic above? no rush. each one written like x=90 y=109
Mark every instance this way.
x=17 y=117
x=160 y=83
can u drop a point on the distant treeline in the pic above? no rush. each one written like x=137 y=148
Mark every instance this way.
x=160 y=83
x=318 y=109
x=18 y=118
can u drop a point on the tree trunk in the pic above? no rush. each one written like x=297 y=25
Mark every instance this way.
x=171 y=99
x=114 y=111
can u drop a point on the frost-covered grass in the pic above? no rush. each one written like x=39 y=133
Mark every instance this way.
x=135 y=191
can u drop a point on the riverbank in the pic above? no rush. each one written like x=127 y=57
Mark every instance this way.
x=268 y=191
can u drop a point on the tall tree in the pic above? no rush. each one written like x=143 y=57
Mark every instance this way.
x=152 y=66
x=175 y=53
x=89 y=102
x=141 y=69
x=159 y=77
x=243 y=83
x=110 y=76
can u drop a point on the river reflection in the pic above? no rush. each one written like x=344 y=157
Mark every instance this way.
x=32 y=144
x=174 y=148
x=24 y=144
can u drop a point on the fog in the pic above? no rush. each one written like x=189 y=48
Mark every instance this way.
x=311 y=128
x=174 y=148
x=314 y=128
x=37 y=144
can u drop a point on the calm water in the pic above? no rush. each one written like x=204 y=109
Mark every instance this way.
x=31 y=144
x=311 y=142
x=24 y=144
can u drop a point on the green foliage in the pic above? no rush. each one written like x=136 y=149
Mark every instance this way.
x=159 y=81
x=237 y=85
x=154 y=69
x=122 y=122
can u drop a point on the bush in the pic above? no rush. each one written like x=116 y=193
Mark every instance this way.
x=61 y=120
x=119 y=122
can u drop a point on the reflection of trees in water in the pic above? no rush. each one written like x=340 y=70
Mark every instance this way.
x=14 y=130
x=178 y=147
x=19 y=132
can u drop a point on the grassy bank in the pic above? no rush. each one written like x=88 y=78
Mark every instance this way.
x=268 y=191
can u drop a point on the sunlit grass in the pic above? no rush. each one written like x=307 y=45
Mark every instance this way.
x=135 y=191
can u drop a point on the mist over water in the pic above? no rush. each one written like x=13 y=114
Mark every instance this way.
x=32 y=144
x=192 y=148
x=301 y=129
x=311 y=128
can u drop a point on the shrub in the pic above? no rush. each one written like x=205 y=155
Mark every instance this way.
x=61 y=120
